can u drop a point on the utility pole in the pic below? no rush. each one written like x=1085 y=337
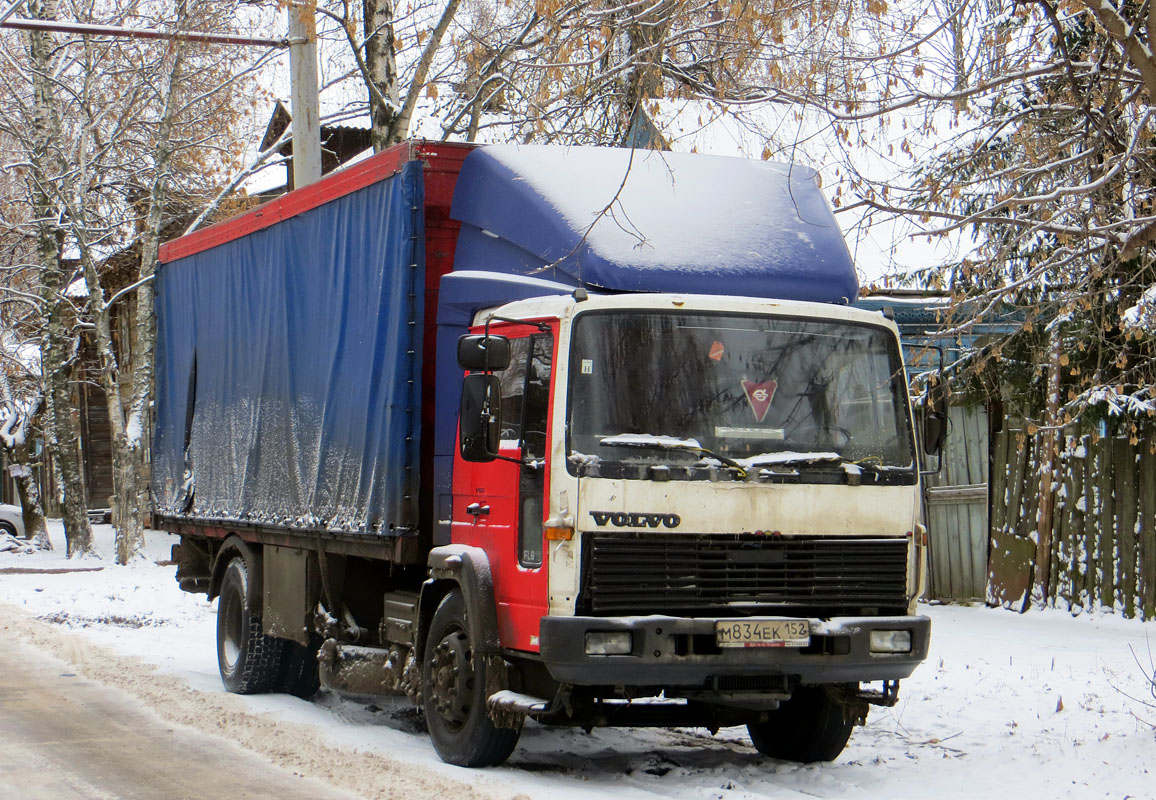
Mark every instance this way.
x=305 y=106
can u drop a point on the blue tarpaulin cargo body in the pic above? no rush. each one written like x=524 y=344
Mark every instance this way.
x=289 y=389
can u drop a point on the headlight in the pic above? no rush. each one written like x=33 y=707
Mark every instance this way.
x=609 y=643
x=889 y=641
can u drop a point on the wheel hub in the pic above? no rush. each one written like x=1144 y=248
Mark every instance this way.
x=233 y=625
x=453 y=679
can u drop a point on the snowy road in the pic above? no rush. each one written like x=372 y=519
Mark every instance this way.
x=1037 y=705
x=68 y=738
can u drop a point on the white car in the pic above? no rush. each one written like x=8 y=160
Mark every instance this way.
x=11 y=520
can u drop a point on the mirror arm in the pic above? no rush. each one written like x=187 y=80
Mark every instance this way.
x=938 y=467
x=497 y=457
x=542 y=326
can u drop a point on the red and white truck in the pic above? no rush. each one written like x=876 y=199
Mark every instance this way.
x=586 y=436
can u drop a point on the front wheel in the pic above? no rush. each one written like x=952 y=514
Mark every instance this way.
x=249 y=661
x=812 y=726
x=454 y=693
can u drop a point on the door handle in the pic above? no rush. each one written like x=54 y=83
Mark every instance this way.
x=478 y=509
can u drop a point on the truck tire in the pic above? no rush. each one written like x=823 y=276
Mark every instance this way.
x=811 y=726
x=300 y=673
x=249 y=661
x=454 y=693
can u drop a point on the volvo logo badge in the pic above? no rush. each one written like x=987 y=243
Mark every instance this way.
x=625 y=519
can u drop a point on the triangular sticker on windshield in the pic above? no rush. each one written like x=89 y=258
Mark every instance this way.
x=760 y=395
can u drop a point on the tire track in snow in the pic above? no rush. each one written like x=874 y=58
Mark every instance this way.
x=296 y=747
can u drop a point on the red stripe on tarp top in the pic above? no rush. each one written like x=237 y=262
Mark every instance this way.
x=298 y=201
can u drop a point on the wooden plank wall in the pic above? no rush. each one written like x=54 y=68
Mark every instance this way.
x=1103 y=529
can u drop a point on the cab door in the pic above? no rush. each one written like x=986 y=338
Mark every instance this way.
x=498 y=505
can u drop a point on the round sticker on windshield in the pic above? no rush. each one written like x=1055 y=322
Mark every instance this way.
x=760 y=395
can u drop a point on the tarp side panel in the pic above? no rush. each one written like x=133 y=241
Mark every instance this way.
x=646 y=221
x=175 y=383
x=306 y=340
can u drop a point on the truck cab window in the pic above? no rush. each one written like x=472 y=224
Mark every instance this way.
x=513 y=381
x=537 y=396
x=526 y=394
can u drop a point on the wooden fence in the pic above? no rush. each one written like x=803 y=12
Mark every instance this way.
x=957 y=508
x=1103 y=527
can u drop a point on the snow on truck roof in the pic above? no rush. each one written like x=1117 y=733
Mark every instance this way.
x=644 y=220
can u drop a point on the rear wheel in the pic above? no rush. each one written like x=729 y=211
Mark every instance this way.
x=249 y=661
x=812 y=726
x=300 y=675
x=7 y=528
x=454 y=693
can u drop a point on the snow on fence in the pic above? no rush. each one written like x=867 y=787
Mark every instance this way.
x=1103 y=528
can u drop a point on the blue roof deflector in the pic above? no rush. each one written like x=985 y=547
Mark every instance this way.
x=650 y=221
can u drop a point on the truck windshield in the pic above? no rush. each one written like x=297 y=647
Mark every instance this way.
x=779 y=395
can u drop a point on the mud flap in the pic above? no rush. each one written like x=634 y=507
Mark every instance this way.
x=285 y=602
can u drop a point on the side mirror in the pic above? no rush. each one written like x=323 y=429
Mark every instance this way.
x=480 y=418
x=934 y=428
x=479 y=353
x=935 y=416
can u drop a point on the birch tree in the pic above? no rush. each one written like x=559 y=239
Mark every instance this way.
x=21 y=387
x=150 y=128
x=371 y=32
x=59 y=335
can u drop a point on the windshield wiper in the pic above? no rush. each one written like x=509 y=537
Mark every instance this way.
x=671 y=443
x=853 y=468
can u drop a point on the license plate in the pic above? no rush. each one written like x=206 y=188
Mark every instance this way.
x=763 y=633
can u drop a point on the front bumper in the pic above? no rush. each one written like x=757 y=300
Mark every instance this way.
x=679 y=651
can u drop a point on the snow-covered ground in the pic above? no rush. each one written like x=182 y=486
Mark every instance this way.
x=1041 y=705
